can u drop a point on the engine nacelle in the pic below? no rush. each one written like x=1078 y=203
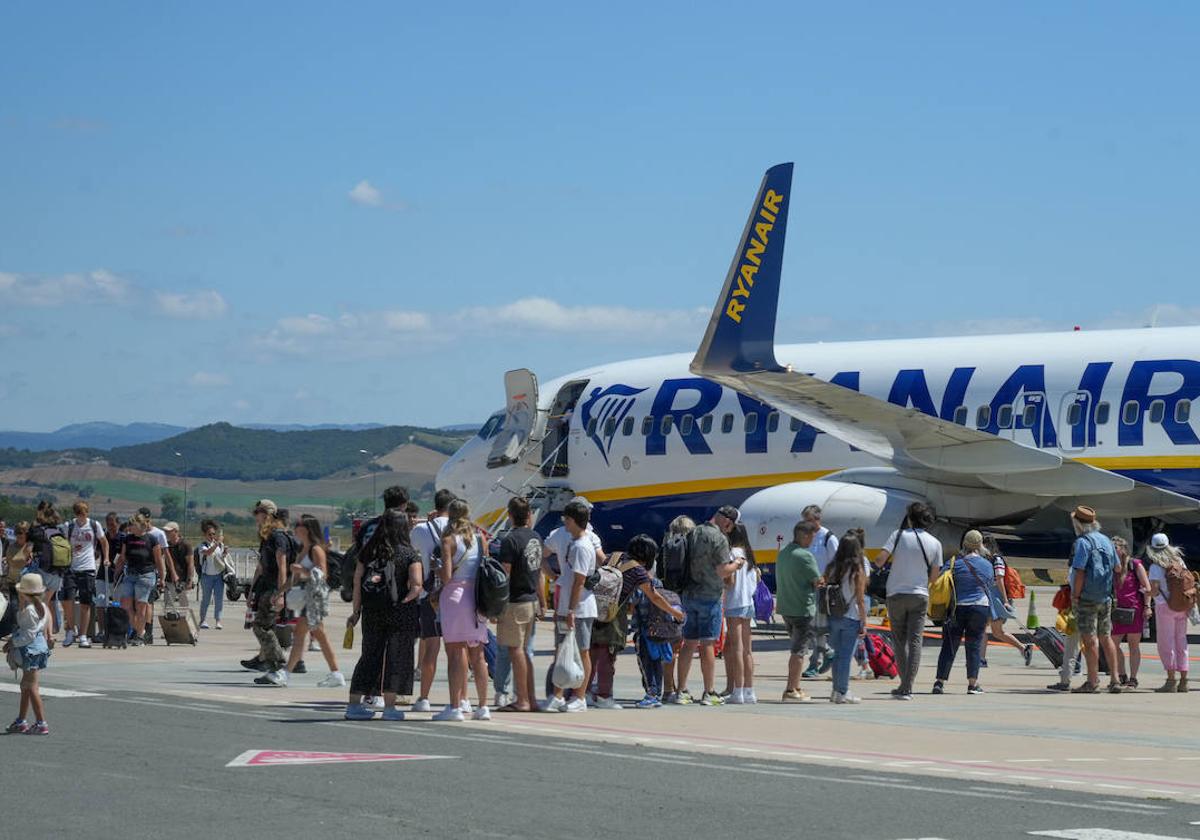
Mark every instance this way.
x=770 y=515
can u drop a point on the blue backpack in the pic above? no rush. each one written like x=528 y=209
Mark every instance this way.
x=1098 y=576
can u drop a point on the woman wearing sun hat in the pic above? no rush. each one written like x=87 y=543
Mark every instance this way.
x=29 y=651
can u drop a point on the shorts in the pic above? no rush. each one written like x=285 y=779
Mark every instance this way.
x=702 y=620
x=800 y=630
x=430 y=628
x=583 y=632
x=1094 y=619
x=51 y=580
x=79 y=586
x=515 y=627
x=739 y=612
x=34 y=661
x=137 y=587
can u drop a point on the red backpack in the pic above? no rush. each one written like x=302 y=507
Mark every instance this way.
x=880 y=656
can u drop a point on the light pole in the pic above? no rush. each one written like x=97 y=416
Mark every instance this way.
x=374 y=477
x=185 y=507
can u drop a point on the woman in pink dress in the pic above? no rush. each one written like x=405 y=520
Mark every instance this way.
x=1131 y=589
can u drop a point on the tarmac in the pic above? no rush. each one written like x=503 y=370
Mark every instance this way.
x=185 y=716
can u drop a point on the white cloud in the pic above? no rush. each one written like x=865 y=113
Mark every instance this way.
x=305 y=325
x=204 y=379
x=356 y=334
x=544 y=315
x=366 y=194
x=99 y=286
x=204 y=304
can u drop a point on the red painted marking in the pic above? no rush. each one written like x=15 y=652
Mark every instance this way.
x=274 y=758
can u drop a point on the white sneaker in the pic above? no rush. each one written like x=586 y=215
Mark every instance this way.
x=501 y=700
x=279 y=678
x=847 y=698
x=834 y=697
x=749 y=697
x=554 y=704
x=607 y=703
x=449 y=713
x=203 y=625
x=482 y=713
x=69 y=639
x=422 y=705
x=85 y=642
x=375 y=703
x=736 y=697
x=333 y=679
x=578 y=704
x=465 y=706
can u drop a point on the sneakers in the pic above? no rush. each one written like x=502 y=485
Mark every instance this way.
x=749 y=697
x=711 y=698
x=683 y=698
x=450 y=713
x=203 y=625
x=357 y=711
x=375 y=703
x=938 y=688
x=1027 y=654
x=502 y=699
x=277 y=678
x=576 y=704
x=69 y=638
x=810 y=673
x=897 y=694
x=219 y=627
x=465 y=706
x=795 y=695
x=827 y=662
x=300 y=668
x=136 y=641
x=18 y=727
x=40 y=728
x=422 y=705
x=649 y=702
x=333 y=679
x=607 y=703
x=482 y=713
x=734 y=698
x=1059 y=686
x=975 y=689
x=846 y=698
x=671 y=697
x=85 y=642
x=254 y=664
x=149 y=637
x=553 y=704
x=392 y=714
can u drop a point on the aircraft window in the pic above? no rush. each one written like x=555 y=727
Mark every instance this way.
x=687 y=424
x=610 y=427
x=796 y=424
x=667 y=423
x=983 y=416
x=1129 y=414
x=627 y=427
x=706 y=423
x=726 y=424
x=1158 y=410
x=751 y=424
x=647 y=426
x=773 y=422
x=492 y=427
x=591 y=426
x=960 y=415
x=1183 y=411
x=1074 y=414
x=1004 y=417
x=1102 y=412
x=1029 y=420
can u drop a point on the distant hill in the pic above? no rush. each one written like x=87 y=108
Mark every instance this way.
x=230 y=452
x=89 y=436
x=297 y=427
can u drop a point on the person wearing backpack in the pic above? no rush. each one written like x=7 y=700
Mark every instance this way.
x=657 y=621
x=275 y=557
x=1131 y=592
x=387 y=585
x=973 y=578
x=89 y=548
x=709 y=564
x=1093 y=561
x=427 y=540
x=847 y=612
x=521 y=556
x=672 y=563
x=51 y=557
x=463 y=631
x=610 y=638
x=991 y=550
x=1173 y=589
x=916 y=558
x=739 y=612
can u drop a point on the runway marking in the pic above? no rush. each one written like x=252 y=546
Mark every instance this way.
x=63 y=693
x=1102 y=834
x=276 y=758
x=1145 y=806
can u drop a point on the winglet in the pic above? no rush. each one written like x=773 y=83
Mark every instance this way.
x=741 y=332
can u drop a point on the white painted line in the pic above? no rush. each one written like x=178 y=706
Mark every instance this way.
x=14 y=688
x=1102 y=834
x=1142 y=805
x=291 y=758
x=1140 y=758
x=1086 y=759
x=1027 y=760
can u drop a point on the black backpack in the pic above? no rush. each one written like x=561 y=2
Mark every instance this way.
x=491 y=585
x=379 y=585
x=334 y=562
x=675 y=562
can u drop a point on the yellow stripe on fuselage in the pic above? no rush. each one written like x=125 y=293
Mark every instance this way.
x=1145 y=462
x=703 y=485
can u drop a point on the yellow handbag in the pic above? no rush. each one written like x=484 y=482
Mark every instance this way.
x=941 y=594
x=1065 y=623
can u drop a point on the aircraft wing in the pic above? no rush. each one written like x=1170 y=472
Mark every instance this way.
x=738 y=351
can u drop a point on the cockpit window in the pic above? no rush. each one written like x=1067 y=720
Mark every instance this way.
x=492 y=427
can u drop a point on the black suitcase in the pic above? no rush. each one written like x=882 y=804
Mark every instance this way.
x=116 y=626
x=1052 y=643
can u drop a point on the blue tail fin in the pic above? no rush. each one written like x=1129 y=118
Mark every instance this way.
x=741 y=333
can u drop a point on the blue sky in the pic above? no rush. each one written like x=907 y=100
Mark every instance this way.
x=292 y=212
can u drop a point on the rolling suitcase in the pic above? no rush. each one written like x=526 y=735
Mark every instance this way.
x=116 y=626
x=1052 y=643
x=177 y=623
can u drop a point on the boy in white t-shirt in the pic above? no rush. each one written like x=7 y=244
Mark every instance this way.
x=575 y=611
x=89 y=547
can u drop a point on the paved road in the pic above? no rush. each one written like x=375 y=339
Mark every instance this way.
x=149 y=766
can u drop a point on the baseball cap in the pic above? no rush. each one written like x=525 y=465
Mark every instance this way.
x=1159 y=541
x=582 y=500
x=171 y=526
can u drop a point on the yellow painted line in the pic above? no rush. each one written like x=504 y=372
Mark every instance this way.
x=1145 y=462
x=707 y=485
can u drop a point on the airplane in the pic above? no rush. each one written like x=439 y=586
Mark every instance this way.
x=1002 y=432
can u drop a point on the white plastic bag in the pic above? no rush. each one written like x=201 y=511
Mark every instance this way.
x=1194 y=615
x=568 y=665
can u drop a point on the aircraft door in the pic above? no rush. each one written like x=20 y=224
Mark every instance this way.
x=1073 y=415
x=556 y=443
x=520 y=418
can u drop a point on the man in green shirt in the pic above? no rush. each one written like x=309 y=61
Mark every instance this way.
x=796 y=582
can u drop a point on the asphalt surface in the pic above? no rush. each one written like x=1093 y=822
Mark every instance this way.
x=141 y=765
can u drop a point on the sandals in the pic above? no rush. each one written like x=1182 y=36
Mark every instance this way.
x=1086 y=688
x=512 y=707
